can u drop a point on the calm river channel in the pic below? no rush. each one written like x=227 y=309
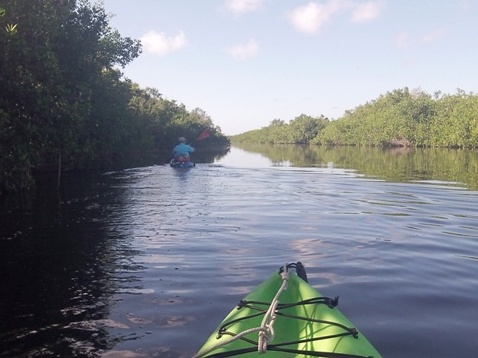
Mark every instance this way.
x=146 y=262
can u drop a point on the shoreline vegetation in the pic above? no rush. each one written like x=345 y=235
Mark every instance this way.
x=400 y=118
x=66 y=106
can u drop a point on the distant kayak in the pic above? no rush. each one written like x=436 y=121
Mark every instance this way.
x=176 y=164
x=285 y=317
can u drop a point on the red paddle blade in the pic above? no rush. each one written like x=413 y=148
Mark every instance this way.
x=205 y=134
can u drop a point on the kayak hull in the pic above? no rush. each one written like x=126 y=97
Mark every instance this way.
x=300 y=330
x=176 y=164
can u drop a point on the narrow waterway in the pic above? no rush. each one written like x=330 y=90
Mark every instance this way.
x=146 y=262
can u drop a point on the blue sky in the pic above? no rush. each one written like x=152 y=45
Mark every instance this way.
x=248 y=62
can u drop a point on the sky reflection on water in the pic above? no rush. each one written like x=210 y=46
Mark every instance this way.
x=153 y=258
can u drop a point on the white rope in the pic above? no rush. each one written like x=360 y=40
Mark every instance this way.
x=266 y=329
x=267 y=334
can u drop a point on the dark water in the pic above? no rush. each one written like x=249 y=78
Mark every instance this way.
x=146 y=262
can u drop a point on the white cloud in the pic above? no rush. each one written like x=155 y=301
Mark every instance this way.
x=161 y=44
x=244 y=51
x=433 y=35
x=243 y=6
x=311 y=17
x=366 y=11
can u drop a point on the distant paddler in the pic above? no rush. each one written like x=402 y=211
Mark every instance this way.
x=182 y=151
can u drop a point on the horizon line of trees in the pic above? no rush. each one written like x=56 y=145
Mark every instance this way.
x=64 y=103
x=399 y=118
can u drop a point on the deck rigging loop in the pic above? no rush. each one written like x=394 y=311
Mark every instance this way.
x=266 y=329
x=267 y=333
x=270 y=310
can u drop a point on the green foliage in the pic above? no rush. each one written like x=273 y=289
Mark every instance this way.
x=300 y=130
x=62 y=96
x=410 y=119
x=52 y=71
x=166 y=120
x=400 y=118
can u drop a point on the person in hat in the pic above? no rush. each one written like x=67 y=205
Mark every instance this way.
x=182 y=151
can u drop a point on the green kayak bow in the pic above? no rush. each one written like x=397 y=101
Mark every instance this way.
x=285 y=317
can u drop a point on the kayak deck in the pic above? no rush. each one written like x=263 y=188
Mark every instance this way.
x=292 y=321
